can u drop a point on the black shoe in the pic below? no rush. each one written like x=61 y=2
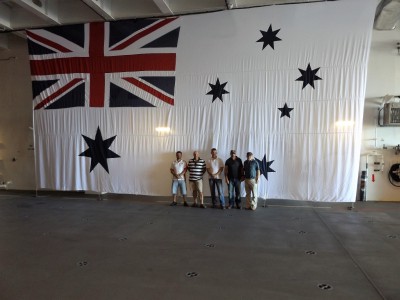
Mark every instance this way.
x=202 y=206
x=238 y=207
x=228 y=207
x=213 y=206
x=194 y=205
x=185 y=204
x=173 y=204
x=222 y=207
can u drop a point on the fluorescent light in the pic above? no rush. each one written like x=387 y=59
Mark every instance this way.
x=163 y=129
x=344 y=124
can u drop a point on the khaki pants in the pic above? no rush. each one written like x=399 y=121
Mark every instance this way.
x=250 y=186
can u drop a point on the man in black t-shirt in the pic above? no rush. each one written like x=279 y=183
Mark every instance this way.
x=233 y=176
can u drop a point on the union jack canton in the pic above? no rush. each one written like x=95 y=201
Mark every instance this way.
x=128 y=63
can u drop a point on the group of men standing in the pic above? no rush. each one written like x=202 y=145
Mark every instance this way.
x=234 y=171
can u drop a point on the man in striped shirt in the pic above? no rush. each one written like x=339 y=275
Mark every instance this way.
x=197 y=167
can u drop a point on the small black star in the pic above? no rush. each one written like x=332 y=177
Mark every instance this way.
x=98 y=150
x=265 y=166
x=285 y=111
x=217 y=90
x=269 y=37
x=308 y=76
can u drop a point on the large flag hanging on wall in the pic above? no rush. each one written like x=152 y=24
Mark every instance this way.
x=284 y=82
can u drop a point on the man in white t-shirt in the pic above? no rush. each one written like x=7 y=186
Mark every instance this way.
x=215 y=166
x=178 y=171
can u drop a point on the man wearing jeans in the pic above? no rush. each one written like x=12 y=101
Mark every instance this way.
x=251 y=176
x=215 y=166
x=233 y=176
x=178 y=170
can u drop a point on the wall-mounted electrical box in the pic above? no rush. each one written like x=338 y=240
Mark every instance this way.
x=391 y=114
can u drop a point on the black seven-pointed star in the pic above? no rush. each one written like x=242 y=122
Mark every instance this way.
x=217 y=90
x=98 y=150
x=269 y=37
x=285 y=110
x=308 y=76
x=265 y=166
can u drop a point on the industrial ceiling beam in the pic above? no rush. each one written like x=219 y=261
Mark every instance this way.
x=102 y=8
x=387 y=15
x=45 y=10
x=164 y=7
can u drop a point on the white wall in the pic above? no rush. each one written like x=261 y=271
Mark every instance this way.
x=16 y=114
x=383 y=78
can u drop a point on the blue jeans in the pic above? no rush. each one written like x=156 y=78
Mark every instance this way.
x=216 y=183
x=234 y=192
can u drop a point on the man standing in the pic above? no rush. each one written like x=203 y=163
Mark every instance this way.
x=215 y=166
x=197 y=167
x=178 y=171
x=233 y=175
x=251 y=176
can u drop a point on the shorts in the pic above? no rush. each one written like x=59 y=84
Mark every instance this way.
x=178 y=183
x=197 y=185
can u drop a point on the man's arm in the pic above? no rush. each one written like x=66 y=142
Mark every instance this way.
x=172 y=170
x=204 y=168
x=257 y=175
x=208 y=168
x=226 y=174
x=185 y=168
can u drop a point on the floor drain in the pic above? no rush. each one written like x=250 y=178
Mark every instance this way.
x=392 y=236
x=82 y=263
x=302 y=232
x=310 y=252
x=324 y=286
x=191 y=274
x=210 y=245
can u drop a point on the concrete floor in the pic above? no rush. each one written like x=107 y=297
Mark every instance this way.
x=75 y=246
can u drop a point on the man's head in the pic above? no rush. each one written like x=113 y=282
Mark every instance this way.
x=178 y=155
x=249 y=156
x=233 y=154
x=196 y=155
x=214 y=153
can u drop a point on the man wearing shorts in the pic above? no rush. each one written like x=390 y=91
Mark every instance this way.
x=197 y=167
x=178 y=171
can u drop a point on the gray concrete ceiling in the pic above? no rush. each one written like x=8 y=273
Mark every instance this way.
x=17 y=15
x=22 y=14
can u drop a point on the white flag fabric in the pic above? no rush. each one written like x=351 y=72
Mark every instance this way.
x=285 y=82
